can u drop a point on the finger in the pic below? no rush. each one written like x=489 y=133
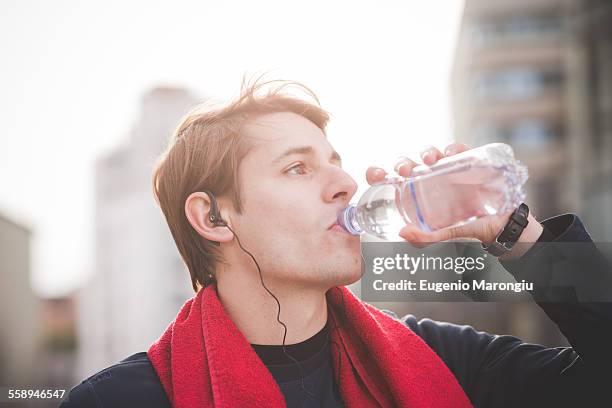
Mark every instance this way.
x=455 y=148
x=445 y=234
x=420 y=238
x=375 y=174
x=431 y=155
x=413 y=235
x=404 y=167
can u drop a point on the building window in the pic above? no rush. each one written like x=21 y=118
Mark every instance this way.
x=515 y=83
x=527 y=134
x=531 y=134
x=516 y=28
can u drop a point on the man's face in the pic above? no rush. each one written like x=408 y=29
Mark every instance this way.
x=292 y=189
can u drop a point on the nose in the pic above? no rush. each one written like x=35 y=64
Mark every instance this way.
x=341 y=187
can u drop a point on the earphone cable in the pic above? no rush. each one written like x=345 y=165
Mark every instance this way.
x=278 y=313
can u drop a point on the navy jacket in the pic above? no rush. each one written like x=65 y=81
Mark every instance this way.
x=494 y=370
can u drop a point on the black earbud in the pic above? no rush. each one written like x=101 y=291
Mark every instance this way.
x=213 y=215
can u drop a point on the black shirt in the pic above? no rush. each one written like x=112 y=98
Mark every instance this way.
x=493 y=370
x=314 y=366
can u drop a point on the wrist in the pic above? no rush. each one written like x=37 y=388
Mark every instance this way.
x=530 y=236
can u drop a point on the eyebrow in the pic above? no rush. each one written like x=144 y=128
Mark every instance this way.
x=304 y=150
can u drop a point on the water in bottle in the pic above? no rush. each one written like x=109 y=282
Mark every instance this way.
x=456 y=190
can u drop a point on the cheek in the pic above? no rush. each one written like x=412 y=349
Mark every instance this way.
x=279 y=229
x=289 y=212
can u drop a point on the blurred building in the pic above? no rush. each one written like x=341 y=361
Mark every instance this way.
x=19 y=308
x=537 y=74
x=140 y=282
x=59 y=342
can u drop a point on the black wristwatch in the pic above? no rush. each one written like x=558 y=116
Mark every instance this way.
x=504 y=242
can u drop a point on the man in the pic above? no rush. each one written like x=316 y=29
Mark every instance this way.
x=251 y=192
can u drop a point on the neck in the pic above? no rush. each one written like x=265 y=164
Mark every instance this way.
x=254 y=310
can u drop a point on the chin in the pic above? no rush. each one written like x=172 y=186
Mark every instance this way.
x=349 y=271
x=350 y=279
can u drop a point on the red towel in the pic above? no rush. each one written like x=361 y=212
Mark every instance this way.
x=203 y=360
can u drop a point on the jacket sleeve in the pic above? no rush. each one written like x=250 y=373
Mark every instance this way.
x=503 y=371
x=132 y=382
x=81 y=396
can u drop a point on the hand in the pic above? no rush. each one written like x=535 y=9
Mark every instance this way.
x=484 y=229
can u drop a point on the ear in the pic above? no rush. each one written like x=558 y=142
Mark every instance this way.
x=197 y=208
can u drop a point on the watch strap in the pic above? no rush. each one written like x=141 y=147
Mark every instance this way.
x=505 y=240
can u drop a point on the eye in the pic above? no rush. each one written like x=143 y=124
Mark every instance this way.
x=296 y=169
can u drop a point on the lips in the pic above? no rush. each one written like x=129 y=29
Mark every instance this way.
x=336 y=227
x=333 y=224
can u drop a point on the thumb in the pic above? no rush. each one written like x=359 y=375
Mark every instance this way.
x=420 y=238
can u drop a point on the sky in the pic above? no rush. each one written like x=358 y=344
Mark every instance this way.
x=72 y=75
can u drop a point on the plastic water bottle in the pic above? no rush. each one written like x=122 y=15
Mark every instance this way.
x=456 y=190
